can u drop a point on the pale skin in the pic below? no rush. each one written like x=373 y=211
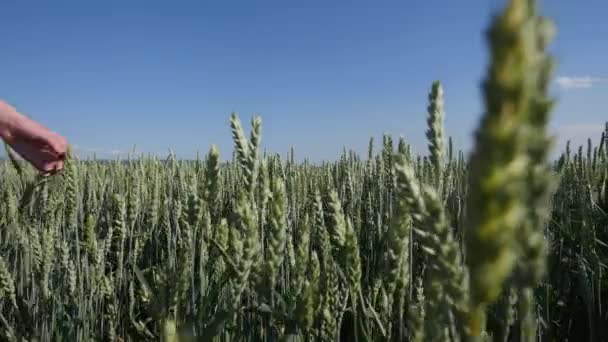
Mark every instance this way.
x=41 y=147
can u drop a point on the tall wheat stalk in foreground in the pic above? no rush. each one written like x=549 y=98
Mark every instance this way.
x=510 y=184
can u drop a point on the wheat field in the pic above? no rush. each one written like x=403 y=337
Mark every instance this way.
x=502 y=244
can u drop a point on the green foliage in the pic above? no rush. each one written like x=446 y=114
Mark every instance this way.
x=392 y=247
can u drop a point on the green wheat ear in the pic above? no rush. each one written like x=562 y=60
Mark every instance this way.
x=13 y=157
x=504 y=152
x=435 y=133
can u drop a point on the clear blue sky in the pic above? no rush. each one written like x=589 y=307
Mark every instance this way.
x=322 y=74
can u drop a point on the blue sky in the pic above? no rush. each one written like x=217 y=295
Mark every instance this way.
x=322 y=74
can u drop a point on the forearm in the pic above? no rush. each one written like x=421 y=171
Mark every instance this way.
x=8 y=119
x=13 y=124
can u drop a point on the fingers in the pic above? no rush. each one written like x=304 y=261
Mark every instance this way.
x=53 y=167
x=41 y=157
x=43 y=148
x=58 y=144
x=50 y=167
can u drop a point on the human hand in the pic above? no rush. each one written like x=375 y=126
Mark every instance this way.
x=44 y=149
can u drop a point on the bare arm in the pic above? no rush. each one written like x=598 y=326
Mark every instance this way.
x=43 y=148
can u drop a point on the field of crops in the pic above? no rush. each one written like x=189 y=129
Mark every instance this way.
x=505 y=244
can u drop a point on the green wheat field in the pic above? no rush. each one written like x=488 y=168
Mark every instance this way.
x=505 y=243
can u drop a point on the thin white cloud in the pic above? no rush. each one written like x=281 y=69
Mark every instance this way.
x=579 y=82
x=578 y=133
x=99 y=150
x=587 y=130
